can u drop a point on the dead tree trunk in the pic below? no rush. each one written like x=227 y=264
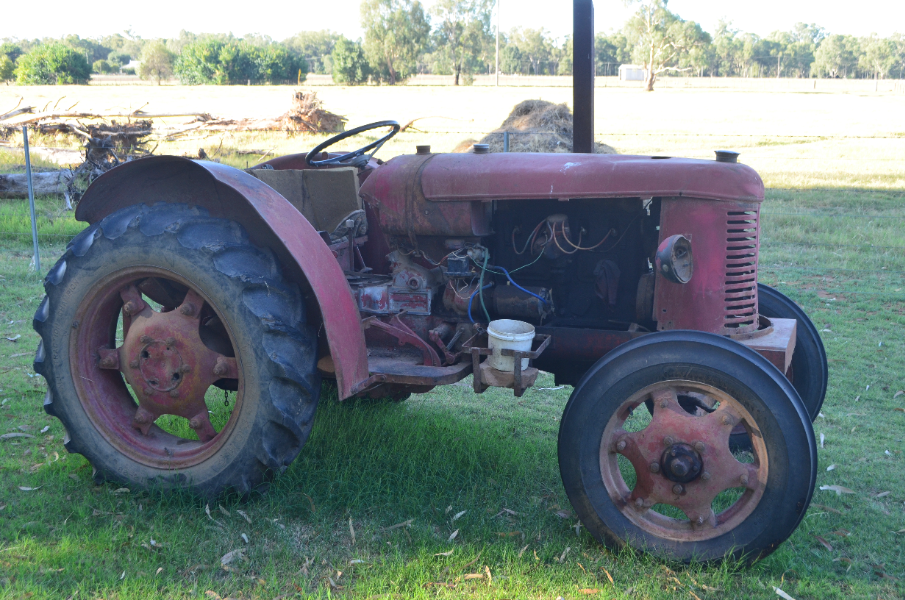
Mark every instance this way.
x=45 y=184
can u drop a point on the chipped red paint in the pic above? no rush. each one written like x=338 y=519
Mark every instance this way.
x=477 y=177
x=271 y=222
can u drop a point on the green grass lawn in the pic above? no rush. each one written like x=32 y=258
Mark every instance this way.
x=455 y=495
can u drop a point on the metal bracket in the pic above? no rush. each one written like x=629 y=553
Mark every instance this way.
x=518 y=386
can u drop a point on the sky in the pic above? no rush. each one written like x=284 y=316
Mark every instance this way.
x=281 y=18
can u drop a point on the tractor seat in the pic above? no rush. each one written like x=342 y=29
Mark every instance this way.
x=328 y=198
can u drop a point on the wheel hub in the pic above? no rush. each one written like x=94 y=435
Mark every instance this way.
x=161 y=365
x=681 y=463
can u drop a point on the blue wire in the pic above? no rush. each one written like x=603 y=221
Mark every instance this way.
x=506 y=273
x=471 y=298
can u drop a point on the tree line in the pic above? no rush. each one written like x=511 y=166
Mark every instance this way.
x=456 y=37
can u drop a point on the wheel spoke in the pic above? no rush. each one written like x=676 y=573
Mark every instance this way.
x=201 y=423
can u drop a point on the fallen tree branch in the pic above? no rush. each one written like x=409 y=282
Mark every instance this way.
x=45 y=184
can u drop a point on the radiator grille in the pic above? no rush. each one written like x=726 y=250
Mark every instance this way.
x=740 y=300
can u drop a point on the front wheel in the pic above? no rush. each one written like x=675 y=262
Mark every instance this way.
x=151 y=318
x=667 y=482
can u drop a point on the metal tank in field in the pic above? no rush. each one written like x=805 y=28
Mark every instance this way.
x=631 y=278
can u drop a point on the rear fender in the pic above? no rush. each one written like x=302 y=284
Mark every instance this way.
x=271 y=221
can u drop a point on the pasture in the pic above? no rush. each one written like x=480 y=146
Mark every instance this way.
x=455 y=495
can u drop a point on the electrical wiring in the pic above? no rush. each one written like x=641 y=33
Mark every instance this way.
x=555 y=241
x=471 y=299
x=578 y=247
x=530 y=238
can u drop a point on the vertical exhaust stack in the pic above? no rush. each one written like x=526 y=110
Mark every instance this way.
x=583 y=76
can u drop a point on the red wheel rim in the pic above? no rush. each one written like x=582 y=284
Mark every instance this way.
x=702 y=441
x=162 y=358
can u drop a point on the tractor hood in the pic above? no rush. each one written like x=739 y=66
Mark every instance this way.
x=523 y=176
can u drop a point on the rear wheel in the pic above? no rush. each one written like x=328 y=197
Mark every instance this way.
x=810 y=373
x=668 y=482
x=151 y=318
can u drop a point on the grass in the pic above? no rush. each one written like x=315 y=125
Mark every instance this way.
x=833 y=239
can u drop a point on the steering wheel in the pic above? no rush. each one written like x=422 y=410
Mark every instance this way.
x=351 y=157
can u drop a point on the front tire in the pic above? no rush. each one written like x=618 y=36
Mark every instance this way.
x=672 y=487
x=149 y=315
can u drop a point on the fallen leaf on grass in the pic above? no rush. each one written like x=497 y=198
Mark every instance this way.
x=120 y=491
x=245 y=538
x=9 y=436
x=825 y=543
x=883 y=575
x=453 y=536
x=897 y=409
x=563 y=514
x=46 y=429
x=13 y=339
x=244 y=515
x=847 y=561
x=505 y=534
x=445 y=553
x=213 y=594
x=841 y=532
x=458 y=515
x=882 y=494
x=398 y=525
x=473 y=576
x=223 y=510
x=19 y=354
x=782 y=594
x=30 y=489
x=822 y=439
x=608 y=576
x=589 y=591
x=232 y=556
x=827 y=508
x=711 y=589
x=563 y=555
x=831 y=467
x=837 y=488
x=897 y=394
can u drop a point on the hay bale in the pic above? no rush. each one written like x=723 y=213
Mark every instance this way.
x=535 y=126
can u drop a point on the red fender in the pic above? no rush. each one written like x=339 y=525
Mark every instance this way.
x=271 y=221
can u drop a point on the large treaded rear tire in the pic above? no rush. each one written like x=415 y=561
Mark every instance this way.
x=264 y=314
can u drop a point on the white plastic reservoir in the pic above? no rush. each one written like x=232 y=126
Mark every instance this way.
x=508 y=333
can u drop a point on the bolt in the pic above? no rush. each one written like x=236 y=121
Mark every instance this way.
x=194 y=423
x=147 y=391
x=620 y=446
x=141 y=419
x=699 y=446
x=75 y=324
x=129 y=308
x=171 y=341
x=655 y=467
x=744 y=479
x=639 y=502
x=664 y=403
x=700 y=520
x=184 y=368
x=727 y=420
x=174 y=394
x=187 y=309
x=668 y=441
x=677 y=489
x=145 y=339
x=106 y=363
x=134 y=364
x=219 y=369
x=705 y=475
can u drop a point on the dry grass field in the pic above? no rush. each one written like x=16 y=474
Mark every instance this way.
x=334 y=525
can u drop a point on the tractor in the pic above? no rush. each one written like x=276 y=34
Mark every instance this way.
x=632 y=278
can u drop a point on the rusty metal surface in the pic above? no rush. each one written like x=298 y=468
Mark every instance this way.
x=706 y=438
x=510 y=176
x=706 y=302
x=271 y=222
x=394 y=194
x=778 y=344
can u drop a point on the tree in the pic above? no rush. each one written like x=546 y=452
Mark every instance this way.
x=879 y=56
x=660 y=39
x=462 y=32
x=533 y=46
x=52 y=63
x=833 y=56
x=101 y=67
x=350 y=66
x=11 y=50
x=510 y=59
x=396 y=33
x=612 y=50
x=7 y=68
x=156 y=62
x=118 y=59
x=314 y=46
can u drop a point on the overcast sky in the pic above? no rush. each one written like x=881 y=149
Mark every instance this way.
x=281 y=18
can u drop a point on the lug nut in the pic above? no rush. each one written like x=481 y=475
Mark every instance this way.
x=705 y=475
x=134 y=364
x=743 y=479
x=727 y=420
x=187 y=309
x=655 y=467
x=129 y=308
x=700 y=520
x=699 y=446
x=194 y=423
x=677 y=489
x=106 y=363
x=219 y=369
x=639 y=502
x=664 y=403
x=145 y=339
x=668 y=441
x=620 y=446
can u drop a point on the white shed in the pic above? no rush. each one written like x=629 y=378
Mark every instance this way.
x=631 y=73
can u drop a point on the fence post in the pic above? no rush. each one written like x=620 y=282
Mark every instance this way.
x=31 y=199
x=505 y=141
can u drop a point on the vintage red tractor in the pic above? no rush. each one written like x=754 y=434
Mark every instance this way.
x=632 y=278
